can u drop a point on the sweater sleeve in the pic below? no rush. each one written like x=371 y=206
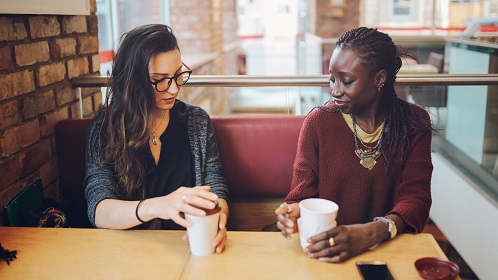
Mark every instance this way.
x=99 y=181
x=412 y=198
x=214 y=169
x=305 y=171
x=207 y=162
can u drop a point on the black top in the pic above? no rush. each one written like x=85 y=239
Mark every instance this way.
x=175 y=166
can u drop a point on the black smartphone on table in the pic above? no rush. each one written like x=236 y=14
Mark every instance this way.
x=374 y=270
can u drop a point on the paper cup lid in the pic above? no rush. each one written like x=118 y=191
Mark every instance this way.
x=215 y=210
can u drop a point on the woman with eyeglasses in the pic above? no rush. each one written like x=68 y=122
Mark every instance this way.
x=151 y=157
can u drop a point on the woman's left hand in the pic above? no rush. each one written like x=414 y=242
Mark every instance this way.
x=221 y=237
x=343 y=242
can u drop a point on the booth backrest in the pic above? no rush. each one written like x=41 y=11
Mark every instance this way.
x=70 y=139
x=257 y=153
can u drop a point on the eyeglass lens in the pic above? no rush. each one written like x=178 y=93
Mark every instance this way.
x=180 y=80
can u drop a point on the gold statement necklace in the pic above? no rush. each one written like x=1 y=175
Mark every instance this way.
x=154 y=137
x=368 y=158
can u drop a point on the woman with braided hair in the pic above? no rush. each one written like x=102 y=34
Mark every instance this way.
x=366 y=150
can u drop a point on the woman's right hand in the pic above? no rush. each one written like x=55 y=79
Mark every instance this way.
x=287 y=215
x=184 y=199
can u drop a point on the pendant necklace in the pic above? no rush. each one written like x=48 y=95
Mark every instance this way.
x=154 y=138
x=368 y=158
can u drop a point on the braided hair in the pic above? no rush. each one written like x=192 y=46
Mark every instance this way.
x=378 y=52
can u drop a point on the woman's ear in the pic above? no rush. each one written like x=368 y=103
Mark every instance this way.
x=380 y=78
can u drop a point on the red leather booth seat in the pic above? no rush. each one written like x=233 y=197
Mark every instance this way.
x=257 y=153
x=70 y=141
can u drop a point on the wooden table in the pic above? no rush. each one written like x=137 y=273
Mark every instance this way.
x=46 y=253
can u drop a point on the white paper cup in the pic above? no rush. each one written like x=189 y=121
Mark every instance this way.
x=202 y=232
x=317 y=215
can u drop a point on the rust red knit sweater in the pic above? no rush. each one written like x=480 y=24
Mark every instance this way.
x=326 y=166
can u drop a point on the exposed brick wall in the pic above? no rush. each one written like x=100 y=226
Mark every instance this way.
x=208 y=27
x=39 y=55
x=328 y=26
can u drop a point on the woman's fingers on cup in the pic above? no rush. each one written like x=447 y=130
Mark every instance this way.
x=179 y=220
x=199 y=200
x=325 y=236
x=286 y=222
x=284 y=208
x=220 y=240
x=223 y=221
x=191 y=209
x=323 y=244
x=200 y=191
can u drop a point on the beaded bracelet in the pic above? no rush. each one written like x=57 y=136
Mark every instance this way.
x=136 y=211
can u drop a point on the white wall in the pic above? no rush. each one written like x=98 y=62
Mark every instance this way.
x=466 y=217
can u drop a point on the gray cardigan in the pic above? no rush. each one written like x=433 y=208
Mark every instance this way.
x=100 y=182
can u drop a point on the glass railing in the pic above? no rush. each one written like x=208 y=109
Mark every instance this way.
x=297 y=95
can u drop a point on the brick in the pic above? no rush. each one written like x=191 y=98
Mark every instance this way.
x=20 y=31
x=44 y=26
x=49 y=74
x=9 y=114
x=29 y=54
x=29 y=108
x=32 y=159
x=11 y=31
x=77 y=67
x=45 y=101
x=5 y=58
x=87 y=106
x=62 y=47
x=15 y=84
x=48 y=121
x=93 y=6
x=49 y=172
x=75 y=111
x=95 y=63
x=65 y=94
x=74 y=24
x=10 y=172
x=88 y=44
x=89 y=90
x=93 y=24
x=97 y=101
x=19 y=137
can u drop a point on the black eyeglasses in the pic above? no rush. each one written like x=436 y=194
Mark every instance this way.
x=180 y=79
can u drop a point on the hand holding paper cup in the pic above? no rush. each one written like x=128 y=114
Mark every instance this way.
x=317 y=215
x=202 y=231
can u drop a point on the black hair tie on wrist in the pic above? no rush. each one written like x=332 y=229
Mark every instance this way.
x=136 y=212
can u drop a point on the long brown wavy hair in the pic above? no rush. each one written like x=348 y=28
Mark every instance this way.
x=129 y=106
x=378 y=52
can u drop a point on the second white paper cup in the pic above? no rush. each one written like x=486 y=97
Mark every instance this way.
x=317 y=215
x=202 y=232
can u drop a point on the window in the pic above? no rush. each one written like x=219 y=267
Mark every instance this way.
x=403 y=9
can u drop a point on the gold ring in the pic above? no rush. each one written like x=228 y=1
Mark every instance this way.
x=331 y=242
x=289 y=209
